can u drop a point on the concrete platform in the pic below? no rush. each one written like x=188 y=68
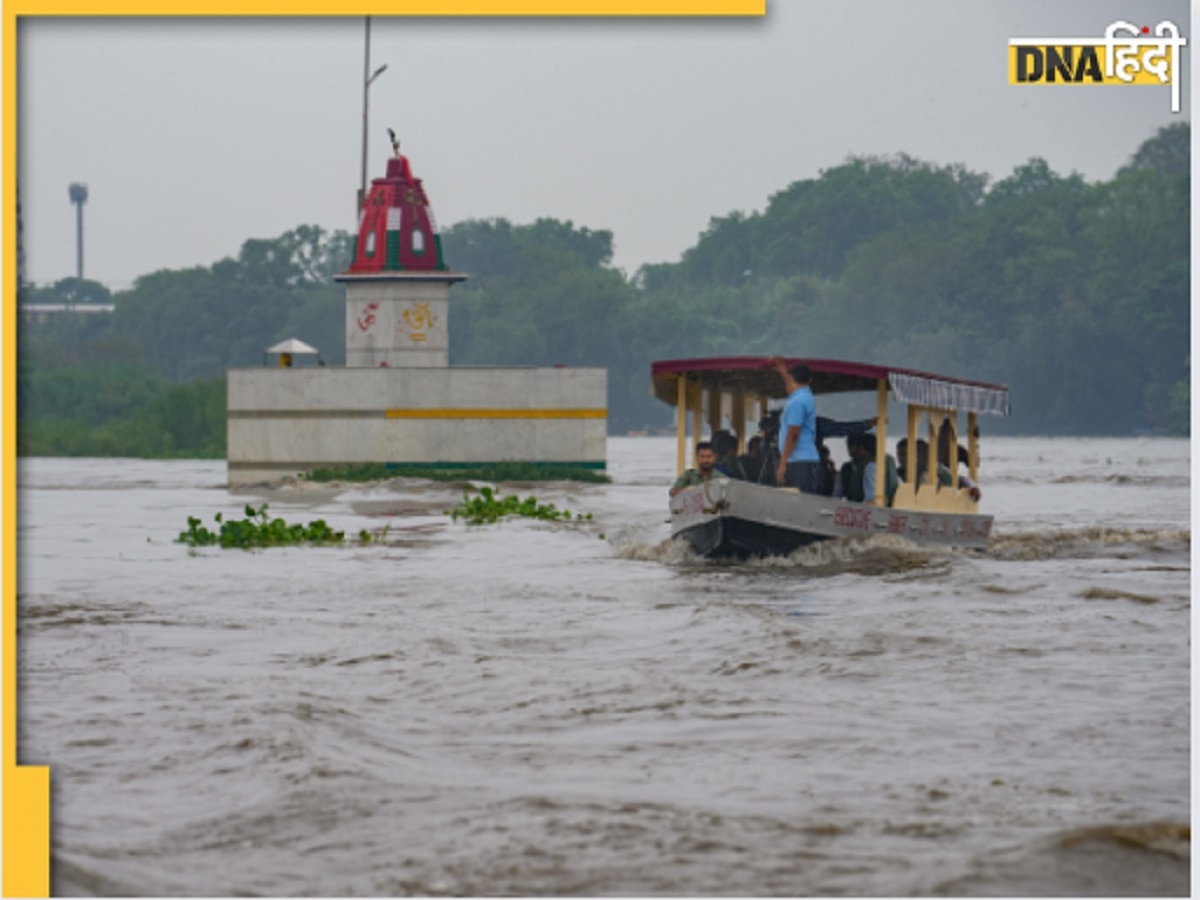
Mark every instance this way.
x=287 y=421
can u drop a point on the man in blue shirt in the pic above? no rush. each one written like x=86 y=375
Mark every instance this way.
x=799 y=460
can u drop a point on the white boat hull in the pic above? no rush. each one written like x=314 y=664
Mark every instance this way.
x=741 y=519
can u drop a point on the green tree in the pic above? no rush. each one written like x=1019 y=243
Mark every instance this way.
x=1168 y=153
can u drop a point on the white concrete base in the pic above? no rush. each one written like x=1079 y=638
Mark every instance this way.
x=287 y=421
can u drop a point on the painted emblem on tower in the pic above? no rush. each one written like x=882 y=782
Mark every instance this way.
x=420 y=320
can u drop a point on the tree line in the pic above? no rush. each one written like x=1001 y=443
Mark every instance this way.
x=1074 y=294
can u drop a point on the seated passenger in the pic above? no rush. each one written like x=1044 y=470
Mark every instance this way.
x=943 y=474
x=829 y=472
x=725 y=446
x=845 y=478
x=963 y=459
x=748 y=466
x=851 y=474
x=705 y=471
x=869 y=445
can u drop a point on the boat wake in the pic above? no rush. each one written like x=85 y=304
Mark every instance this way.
x=670 y=552
x=883 y=555
x=875 y=555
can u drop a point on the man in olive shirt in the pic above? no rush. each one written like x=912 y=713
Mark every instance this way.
x=706 y=469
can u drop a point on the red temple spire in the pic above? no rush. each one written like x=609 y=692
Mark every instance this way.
x=396 y=230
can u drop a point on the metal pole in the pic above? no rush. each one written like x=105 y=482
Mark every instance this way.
x=680 y=424
x=880 y=498
x=362 y=191
x=368 y=79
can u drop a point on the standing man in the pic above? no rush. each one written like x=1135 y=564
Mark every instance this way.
x=799 y=461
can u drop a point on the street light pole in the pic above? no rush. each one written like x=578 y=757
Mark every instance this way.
x=368 y=77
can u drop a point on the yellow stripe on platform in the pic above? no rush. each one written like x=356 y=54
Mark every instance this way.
x=495 y=413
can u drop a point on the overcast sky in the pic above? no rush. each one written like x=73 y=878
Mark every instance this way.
x=194 y=135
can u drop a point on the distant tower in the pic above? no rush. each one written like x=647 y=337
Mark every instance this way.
x=79 y=195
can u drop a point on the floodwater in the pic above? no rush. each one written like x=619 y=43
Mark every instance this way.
x=536 y=708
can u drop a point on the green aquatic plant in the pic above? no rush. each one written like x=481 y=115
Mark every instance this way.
x=486 y=508
x=258 y=529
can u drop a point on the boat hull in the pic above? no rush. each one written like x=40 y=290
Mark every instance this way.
x=740 y=519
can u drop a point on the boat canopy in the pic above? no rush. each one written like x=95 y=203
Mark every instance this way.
x=755 y=376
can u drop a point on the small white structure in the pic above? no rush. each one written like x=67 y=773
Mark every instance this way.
x=398 y=401
x=285 y=351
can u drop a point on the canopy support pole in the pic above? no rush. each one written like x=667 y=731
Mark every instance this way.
x=738 y=418
x=931 y=461
x=910 y=450
x=714 y=409
x=951 y=422
x=973 y=446
x=680 y=425
x=881 y=444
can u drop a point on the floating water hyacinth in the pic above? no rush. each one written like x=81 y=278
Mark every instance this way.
x=486 y=508
x=259 y=530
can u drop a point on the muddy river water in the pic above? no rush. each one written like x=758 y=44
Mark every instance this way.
x=539 y=708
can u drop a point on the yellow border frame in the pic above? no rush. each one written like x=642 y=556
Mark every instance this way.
x=396 y=8
x=26 y=789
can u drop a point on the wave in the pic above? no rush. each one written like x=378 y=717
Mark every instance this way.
x=1147 y=859
x=1096 y=593
x=1074 y=542
x=1168 y=838
x=73 y=877
x=1122 y=479
x=669 y=551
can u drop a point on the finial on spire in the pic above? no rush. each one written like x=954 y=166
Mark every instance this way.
x=395 y=142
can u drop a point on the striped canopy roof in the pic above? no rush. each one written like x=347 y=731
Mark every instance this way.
x=755 y=376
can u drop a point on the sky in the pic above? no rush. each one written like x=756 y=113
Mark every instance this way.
x=195 y=135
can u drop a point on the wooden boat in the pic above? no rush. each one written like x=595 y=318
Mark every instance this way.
x=727 y=517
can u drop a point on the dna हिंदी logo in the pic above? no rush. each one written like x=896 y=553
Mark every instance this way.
x=1127 y=54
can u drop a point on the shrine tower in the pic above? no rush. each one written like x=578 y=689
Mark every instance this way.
x=398 y=286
